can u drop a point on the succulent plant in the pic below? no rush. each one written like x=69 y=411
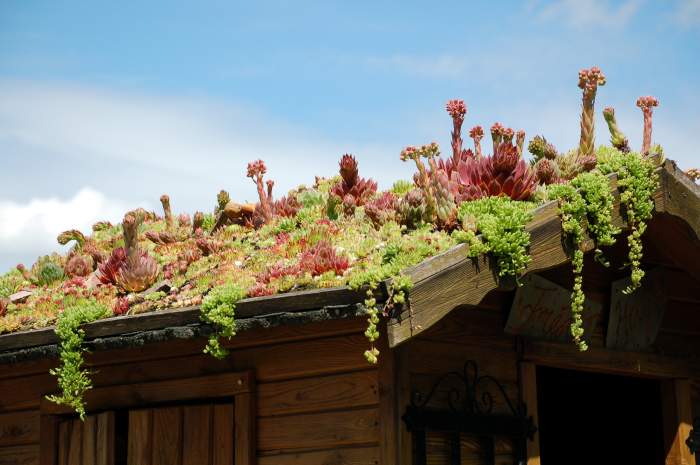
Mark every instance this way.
x=693 y=173
x=540 y=148
x=520 y=141
x=647 y=105
x=617 y=138
x=208 y=246
x=4 y=303
x=412 y=210
x=184 y=220
x=352 y=190
x=504 y=173
x=197 y=222
x=138 y=273
x=588 y=81
x=287 y=206
x=121 y=306
x=108 y=269
x=161 y=237
x=79 y=265
x=101 y=226
x=10 y=283
x=382 y=209
x=46 y=270
x=322 y=258
x=546 y=171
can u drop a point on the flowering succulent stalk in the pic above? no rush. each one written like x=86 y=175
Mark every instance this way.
x=165 y=201
x=256 y=170
x=197 y=221
x=540 y=148
x=457 y=109
x=477 y=133
x=508 y=134
x=71 y=235
x=423 y=179
x=588 y=81
x=130 y=227
x=520 y=141
x=647 y=105
x=222 y=198
x=497 y=131
x=617 y=138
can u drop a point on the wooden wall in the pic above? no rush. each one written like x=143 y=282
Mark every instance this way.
x=318 y=401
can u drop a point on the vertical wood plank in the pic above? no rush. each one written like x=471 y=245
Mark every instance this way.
x=104 y=437
x=528 y=390
x=63 y=441
x=388 y=416
x=140 y=441
x=403 y=376
x=89 y=440
x=244 y=429
x=196 y=434
x=75 y=442
x=222 y=434
x=48 y=440
x=167 y=436
x=678 y=418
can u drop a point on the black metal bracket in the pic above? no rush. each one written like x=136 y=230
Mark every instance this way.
x=469 y=410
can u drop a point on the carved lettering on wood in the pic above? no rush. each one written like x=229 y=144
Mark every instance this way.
x=635 y=318
x=542 y=310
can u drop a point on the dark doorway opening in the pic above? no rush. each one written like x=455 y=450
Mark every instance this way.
x=591 y=418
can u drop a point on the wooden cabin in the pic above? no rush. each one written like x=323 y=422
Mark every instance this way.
x=472 y=372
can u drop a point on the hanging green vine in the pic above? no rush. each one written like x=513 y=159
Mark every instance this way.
x=73 y=380
x=637 y=181
x=218 y=309
x=501 y=223
x=586 y=206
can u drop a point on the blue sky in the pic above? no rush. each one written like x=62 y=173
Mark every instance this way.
x=104 y=106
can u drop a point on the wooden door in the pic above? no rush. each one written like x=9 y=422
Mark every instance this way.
x=200 y=434
x=86 y=443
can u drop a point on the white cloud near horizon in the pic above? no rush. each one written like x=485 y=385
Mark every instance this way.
x=589 y=13
x=30 y=228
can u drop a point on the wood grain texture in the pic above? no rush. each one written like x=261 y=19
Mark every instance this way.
x=306 y=395
x=19 y=455
x=196 y=437
x=318 y=431
x=167 y=436
x=19 y=428
x=528 y=389
x=133 y=395
x=140 y=433
x=223 y=434
x=336 y=456
x=244 y=429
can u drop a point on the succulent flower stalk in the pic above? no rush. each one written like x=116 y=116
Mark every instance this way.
x=352 y=190
x=457 y=110
x=497 y=131
x=617 y=138
x=477 y=133
x=256 y=170
x=197 y=221
x=222 y=198
x=165 y=201
x=647 y=105
x=520 y=141
x=130 y=227
x=540 y=148
x=422 y=179
x=71 y=235
x=588 y=81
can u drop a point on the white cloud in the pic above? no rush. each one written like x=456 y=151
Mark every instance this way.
x=30 y=229
x=590 y=13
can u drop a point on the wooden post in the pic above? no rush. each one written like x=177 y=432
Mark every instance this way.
x=403 y=388
x=677 y=419
x=528 y=390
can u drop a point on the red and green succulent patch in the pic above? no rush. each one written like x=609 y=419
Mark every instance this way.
x=342 y=230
